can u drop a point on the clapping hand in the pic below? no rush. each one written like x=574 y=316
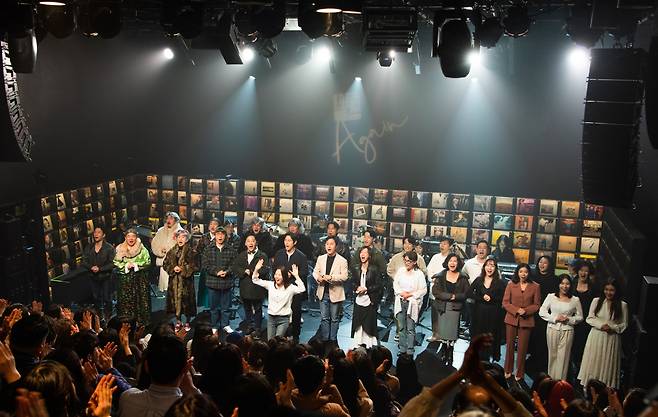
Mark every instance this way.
x=124 y=338
x=8 y=370
x=284 y=393
x=561 y=318
x=472 y=367
x=14 y=316
x=259 y=265
x=521 y=312
x=30 y=404
x=110 y=349
x=486 y=297
x=295 y=271
x=103 y=359
x=3 y=305
x=100 y=402
x=85 y=324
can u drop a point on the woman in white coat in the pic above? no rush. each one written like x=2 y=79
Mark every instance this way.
x=165 y=239
x=562 y=311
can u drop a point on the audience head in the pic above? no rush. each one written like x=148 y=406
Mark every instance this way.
x=29 y=335
x=364 y=254
x=634 y=402
x=490 y=268
x=561 y=390
x=597 y=389
x=481 y=248
x=583 y=268
x=197 y=405
x=55 y=384
x=378 y=354
x=410 y=260
x=308 y=372
x=332 y=228
x=289 y=241
x=347 y=382
x=611 y=291
x=295 y=226
x=253 y=395
x=257 y=355
x=369 y=237
x=165 y=360
x=409 y=243
x=330 y=245
x=580 y=408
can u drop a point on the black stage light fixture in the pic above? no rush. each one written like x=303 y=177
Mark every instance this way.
x=517 y=21
x=223 y=37
x=58 y=20
x=270 y=21
x=244 y=23
x=100 y=18
x=328 y=6
x=389 y=28
x=266 y=47
x=455 y=44
x=578 y=26
x=183 y=18
x=489 y=32
x=385 y=59
x=21 y=39
x=316 y=25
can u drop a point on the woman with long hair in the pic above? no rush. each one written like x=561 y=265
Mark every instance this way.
x=608 y=316
x=279 y=295
x=351 y=389
x=487 y=291
x=449 y=290
x=368 y=293
x=585 y=289
x=561 y=311
x=548 y=284
x=521 y=301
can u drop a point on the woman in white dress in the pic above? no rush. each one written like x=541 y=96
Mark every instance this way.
x=608 y=316
x=409 y=286
x=562 y=311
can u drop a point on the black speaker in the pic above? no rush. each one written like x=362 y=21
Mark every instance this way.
x=651 y=92
x=613 y=107
x=11 y=239
x=646 y=312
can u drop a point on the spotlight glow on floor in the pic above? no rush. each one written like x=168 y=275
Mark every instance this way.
x=168 y=53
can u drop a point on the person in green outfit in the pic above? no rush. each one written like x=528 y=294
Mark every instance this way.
x=132 y=261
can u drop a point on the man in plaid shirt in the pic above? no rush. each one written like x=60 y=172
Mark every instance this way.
x=216 y=265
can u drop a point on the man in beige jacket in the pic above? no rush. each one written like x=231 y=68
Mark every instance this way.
x=330 y=273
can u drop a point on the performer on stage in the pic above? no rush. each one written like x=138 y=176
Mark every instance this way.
x=132 y=260
x=410 y=287
x=263 y=237
x=433 y=268
x=330 y=273
x=368 y=294
x=252 y=295
x=98 y=259
x=179 y=264
x=205 y=241
x=164 y=240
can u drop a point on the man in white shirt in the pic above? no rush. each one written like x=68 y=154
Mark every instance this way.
x=473 y=267
x=434 y=267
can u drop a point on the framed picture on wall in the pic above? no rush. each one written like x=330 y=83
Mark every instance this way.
x=360 y=195
x=358 y=225
x=212 y=202
x=380 y=196
x=168 y=182
x=168 y=196
x=341 y=193
x=75 y=201
x=436 y=232
x=567 y=243
x=593 y=211
x=321 y=208
x=322 y=192
x=271 y=218
x=398 y=214
x=439 y=216
x=420 y=199
x=196 y=185
x=152 y=181
x=360 y=211
x=504 y=204
x=589 y=245
x=212 y=186
x=568 y=226
x=482 y=202
x=61 y=218
x=380 y=227
x=196 y=200
x=521 y=255
x=343 y=223
x=523 y=222
x=285 y=205
x=181 y=183
x=229 y=187
x=90 y=227
x=546 y=224
x=481 y=220
x=182 y=197
x=525 y=205
x=570 y=208
x=153 y=210
x=459 y=234
x=251 y=187
x=267 y=189
x=182 y=212
x=249 y=216
x=418 y=231
x=86 y=194
x=539 y=253
x=399 y=197
x=522 y=239
x=592 y=228
x=460 y=201
x=341 y=209
x=503 y=221
x=378 y=212
x=285 y=190
x=303 y=206
x=496 y=234
x=397 y=229
x=268 y=204
x=480 y=234
x=304 y=191
x=460 y=218
x=548 y=207
x=418 y=215
x=544 y=241
x=197 y=216
x=563 y=259
x=231 y=216
x=230 y=203
x=48 y=224
x=440 y=200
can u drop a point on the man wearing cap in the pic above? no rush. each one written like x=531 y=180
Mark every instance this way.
x=165 y=239
x=433 y=268
x=263 y=237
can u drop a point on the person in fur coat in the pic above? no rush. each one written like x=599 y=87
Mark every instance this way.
x=179 y=265
x=164 y=240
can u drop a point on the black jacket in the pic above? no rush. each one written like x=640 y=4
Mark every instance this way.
x=249 y=290
x=264 y=241
x=373 y=283
x=304 y=244
x=104 y=260
x=297 y=258
x=442 y=296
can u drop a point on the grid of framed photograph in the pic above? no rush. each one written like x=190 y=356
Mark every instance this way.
x=69 y=217
x=534 y=226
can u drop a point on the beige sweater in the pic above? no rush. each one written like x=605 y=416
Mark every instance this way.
x=164 y=240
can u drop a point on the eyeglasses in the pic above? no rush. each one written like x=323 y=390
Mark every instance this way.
x=407 y=260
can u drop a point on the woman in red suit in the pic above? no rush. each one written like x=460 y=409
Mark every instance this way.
x=521 y=301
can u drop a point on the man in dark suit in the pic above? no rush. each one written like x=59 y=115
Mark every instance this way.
x=251 y=294
x=286 y=257
x=263 y=237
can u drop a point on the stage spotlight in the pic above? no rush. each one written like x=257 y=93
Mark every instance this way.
x=579 y=56
x=578 y=26
x=328 y=6
x=52 y=3
x=270 y=21
x=385 y=59
x=322 y=54
x=357 y=79
x=489 y=32
x=474 y=58
x=455 y=45
x=266 y=47
x=21 y=39
x=517 y=21
x=251 y=77
x=247 y=54
x=168 y=53
x=186 y=21
x=100 y=18
x=58 y=20
x=316 y=25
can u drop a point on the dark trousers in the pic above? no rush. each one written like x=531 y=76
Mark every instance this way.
x=220 y=303
x=101 y=293
x=253 y=313
x=296 y=306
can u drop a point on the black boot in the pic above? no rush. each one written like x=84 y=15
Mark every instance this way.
x=450 y=349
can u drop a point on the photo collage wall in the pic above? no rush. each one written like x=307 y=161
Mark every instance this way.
x=562 y=229
x=69 y=219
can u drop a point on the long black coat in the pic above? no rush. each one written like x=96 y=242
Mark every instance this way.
x=249 y=290
x=304 y=244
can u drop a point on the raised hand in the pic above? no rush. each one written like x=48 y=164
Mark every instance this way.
x=472 y=367
x=124 y=338
x=295 y=270
x=259 y=264
x=15 y=315
x=8 y=370
x=30 y=404
x=100 y=402
x=3 y=305
x=102 y=360
x=85 y=323
x=110 y=349
x=284 y=393
x=90 y=372
x=381 y=369
x=539 y=406
x=67 y=314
